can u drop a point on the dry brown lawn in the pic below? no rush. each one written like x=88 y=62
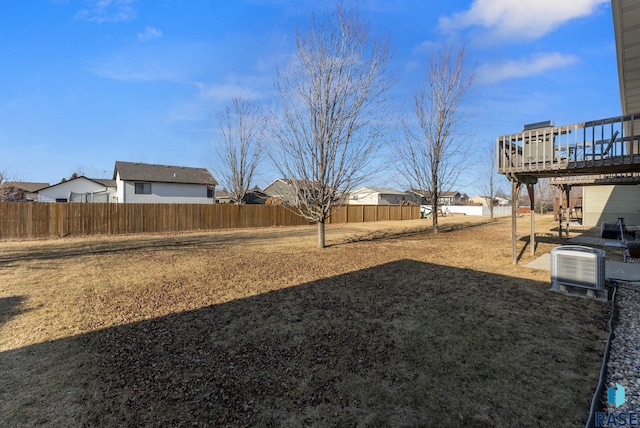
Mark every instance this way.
x=390 y=325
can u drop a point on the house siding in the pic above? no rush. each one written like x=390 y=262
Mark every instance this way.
x=120 y=189
x=165 y=193
x=607 y=203
x=280 y=189
x=78 y=185
x=367 y=196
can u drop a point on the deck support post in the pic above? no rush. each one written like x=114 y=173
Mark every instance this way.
x=532 y=200
x=516 y=184
x=515 y=191
x=567 y=191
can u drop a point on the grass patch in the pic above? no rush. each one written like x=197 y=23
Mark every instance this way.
x=389 y=326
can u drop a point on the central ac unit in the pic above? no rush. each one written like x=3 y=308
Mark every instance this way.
x=577 y=266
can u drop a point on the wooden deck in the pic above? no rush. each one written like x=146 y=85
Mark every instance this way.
x=598 y=180
x=606 y=146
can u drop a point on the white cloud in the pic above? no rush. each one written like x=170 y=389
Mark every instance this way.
x=533 y=65
x=149 y=33
x=136 y=65
x=520 y=19
x=108 y=11
x=226 y=91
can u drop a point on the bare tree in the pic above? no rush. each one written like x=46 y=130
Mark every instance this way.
x=330 y=97
x=6 y=189
x=241 y=129
x=545 y=193
x=489 y=179
x=432 y=156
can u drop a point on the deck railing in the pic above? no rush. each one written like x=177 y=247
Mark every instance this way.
x=600 y=146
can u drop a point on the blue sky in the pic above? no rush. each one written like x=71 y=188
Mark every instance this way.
x=84 y=83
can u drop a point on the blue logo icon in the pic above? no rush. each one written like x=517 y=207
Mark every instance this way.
x=615 y=395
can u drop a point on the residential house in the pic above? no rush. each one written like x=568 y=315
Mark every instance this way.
x=606 y=203
x=137 y=183
x=484 y=201
x=609 y=169
x=281 y=189
x=377 y=196
x=421 y=197
x=253 y=196
x=453 y=198
x=80 y=189
x=502 y=202
x=21 y=190
x=149 y=183
x=224 y=197
x=445 y=198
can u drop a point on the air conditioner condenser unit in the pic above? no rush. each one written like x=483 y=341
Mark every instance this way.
x=579 y=271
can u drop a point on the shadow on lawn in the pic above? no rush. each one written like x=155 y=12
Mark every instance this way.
x=130 y=243
x=540 y=239
x=410 y=232
x=401 y=344
x=10 y=307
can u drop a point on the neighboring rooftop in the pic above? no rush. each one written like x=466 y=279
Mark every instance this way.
x=163 y=173
x=27 y=186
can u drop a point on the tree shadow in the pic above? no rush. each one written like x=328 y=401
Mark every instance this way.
x=148 y=242
x=410 y=232
x=404 y=343
x=10 y=307
x=540 y=239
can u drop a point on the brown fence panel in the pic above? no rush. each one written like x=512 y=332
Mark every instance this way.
x=355 y=213
x=370 y=213
x=395 y=212
x=339 y=215
x=382 y=212
x=33 y=220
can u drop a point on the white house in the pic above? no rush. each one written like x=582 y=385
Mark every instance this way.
x=80 y=189
x=377 y=196
x=138 y=183
x=484 y=201
x=148 y=183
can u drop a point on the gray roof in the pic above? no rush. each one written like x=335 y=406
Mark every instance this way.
x=106 y=182
x=101 y=181
x=133 y=171
x=27 y=186
x=381 y=190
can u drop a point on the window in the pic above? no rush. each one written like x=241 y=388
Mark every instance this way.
x=61 y=200
x=143 y=188
x=210 y=193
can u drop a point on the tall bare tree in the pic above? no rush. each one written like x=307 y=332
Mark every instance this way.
x=490 y=180
x=331 y=96
x=241 y=130
x=6 y=190
x=545 y=195
x=432 y=154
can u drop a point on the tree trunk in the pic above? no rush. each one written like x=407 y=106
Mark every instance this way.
x=321 y=234
x=435 y=202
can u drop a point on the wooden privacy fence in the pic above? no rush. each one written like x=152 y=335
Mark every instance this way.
x=28 y=220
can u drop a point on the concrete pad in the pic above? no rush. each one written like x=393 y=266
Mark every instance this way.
x=623 y=271
x=586 y=240
x=600 y=242
x=543 y=262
